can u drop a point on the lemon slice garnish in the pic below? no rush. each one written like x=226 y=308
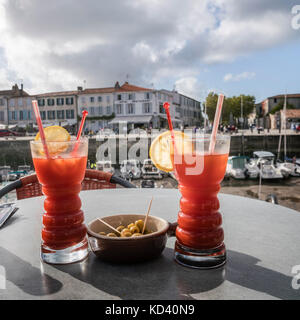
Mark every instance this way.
x=161 y=149
x=55 y=134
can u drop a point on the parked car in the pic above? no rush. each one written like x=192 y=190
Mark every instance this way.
x=130 y=169
x=7 y=133
x=105 y=166
x=150 y=171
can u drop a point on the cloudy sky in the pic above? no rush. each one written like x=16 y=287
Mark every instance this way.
x=230 y=46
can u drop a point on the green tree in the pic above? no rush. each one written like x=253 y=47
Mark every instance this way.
x=232 y=105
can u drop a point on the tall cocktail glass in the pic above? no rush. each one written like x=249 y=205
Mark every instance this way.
x=60 y=174
x=199 y=233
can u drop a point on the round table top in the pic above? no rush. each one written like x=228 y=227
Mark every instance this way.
x=262 y=243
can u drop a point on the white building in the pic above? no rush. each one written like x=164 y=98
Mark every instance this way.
x=58 y=108
x=107 y=107
x=137 y=106
x=15 y=107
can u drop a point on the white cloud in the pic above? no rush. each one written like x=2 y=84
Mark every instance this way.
x=57 y=44
x=238 y=77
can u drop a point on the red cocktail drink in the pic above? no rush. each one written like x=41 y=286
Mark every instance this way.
x=61 y=174
x=199 y=233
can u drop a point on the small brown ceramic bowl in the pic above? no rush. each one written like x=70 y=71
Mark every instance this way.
x=132 y=249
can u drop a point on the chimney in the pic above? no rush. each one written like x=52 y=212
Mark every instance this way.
x=117 y=85
x=79 y=88
x=15 y=88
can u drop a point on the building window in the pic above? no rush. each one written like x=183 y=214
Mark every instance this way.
x=29 y=102
x=21 y=115
x=51 y=115
x=50 y=102
x=12 y=102
x=20 y=102
x=131 y=96
x=119 y=108
x=159 y=96
x=41 y=102
x=43 y=115
x=60 y=101
x=69 y=101
x=92 y=111
x=108 y=110
x=119 y=97
x=29 y=115
x=107 y=99
x=275 y=100
x=161 y=108
x=147 y=95
x=1 y=115
x=1 y=102
x=146 y=107
x=14 y=115
x=99 y=99
x=83 y=99
x=70 y=114
x=92 y=99
x=100 y=111
x=130 y=108
x=60 y=114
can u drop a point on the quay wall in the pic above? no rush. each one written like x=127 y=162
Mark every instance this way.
x=17 y=152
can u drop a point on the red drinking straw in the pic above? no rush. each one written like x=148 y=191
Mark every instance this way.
x=213 y=138
x=41 y=129
x=84 y=114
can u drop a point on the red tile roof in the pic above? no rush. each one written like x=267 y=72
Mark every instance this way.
x=12 y=93
x=126 y=87
x=56 y=94
x=294 y=95
x=129 y=87
x=292 y=113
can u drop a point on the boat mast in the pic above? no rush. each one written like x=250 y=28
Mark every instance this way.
x=284 y=123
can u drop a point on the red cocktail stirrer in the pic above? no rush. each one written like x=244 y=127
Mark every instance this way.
x=40 y=125
x=84 y=114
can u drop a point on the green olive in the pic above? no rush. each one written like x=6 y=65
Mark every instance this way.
x=120 y=228
x=111 y=235
x=102 y=233
x=139 y=224
x=125 y=233
x=134 y=229
x=130 y=225
x=137 y=234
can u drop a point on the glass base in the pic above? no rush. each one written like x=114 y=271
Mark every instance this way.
x=200 y=259
x=76 y=253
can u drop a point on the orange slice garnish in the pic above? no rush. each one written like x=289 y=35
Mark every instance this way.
x=161 y=149
x=56 y=135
